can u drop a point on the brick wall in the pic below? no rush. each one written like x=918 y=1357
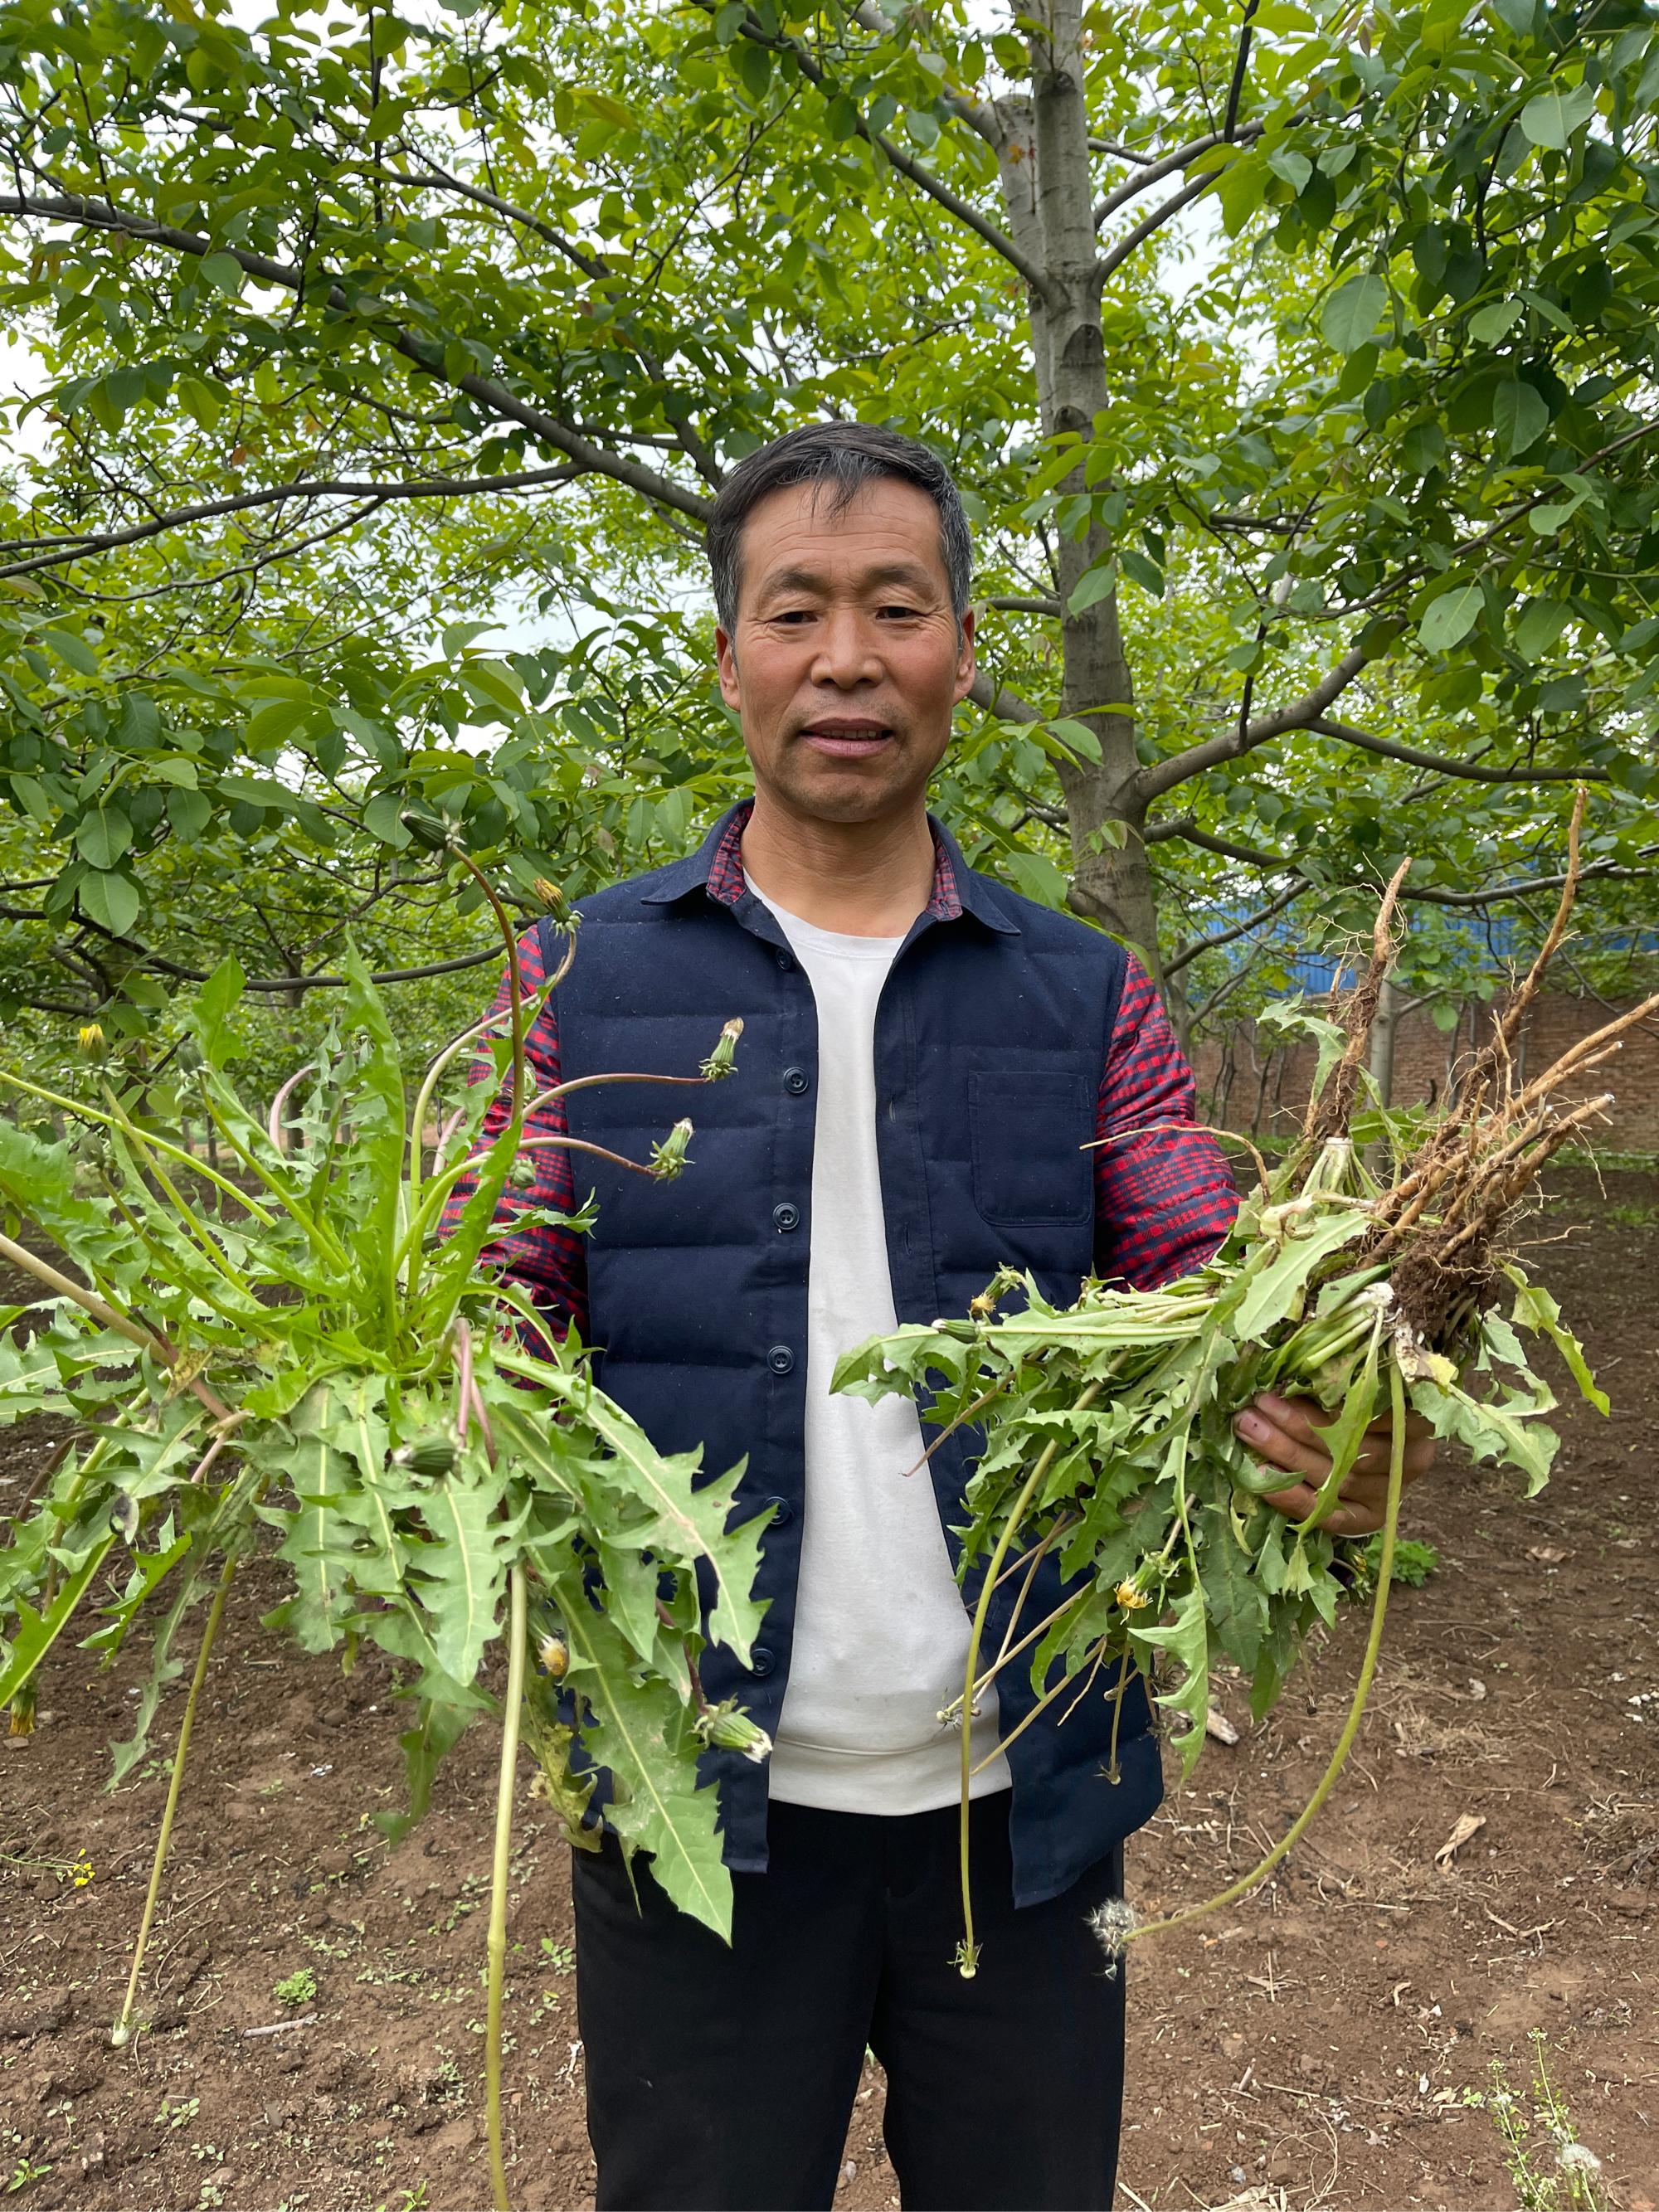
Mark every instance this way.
x=1235 y=1070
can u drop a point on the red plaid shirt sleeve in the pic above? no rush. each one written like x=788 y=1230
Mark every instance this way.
x=1163 y=1199
x=549 y=1264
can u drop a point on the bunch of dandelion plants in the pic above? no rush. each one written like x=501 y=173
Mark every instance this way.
x=289 y=1345
x=1105 y=1431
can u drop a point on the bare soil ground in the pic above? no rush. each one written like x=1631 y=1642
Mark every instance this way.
x=1310 y=2047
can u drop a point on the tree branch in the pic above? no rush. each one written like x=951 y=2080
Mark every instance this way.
x=1154 y=172
x=1006 y=706
x=1470 y=770
x=89 y=542
x=1189 y=834
x=1152 y=782
x=1134 y=239
x=441 y=180
x=964 y=212
x=1240 y=65
x=330 y=982
x=1226 y=936
x=978 y=114
x=1025 y=607
x=426 y=354
x=1118 y=153
x=1605 y=871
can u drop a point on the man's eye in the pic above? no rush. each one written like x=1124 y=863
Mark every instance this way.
x=898 y=613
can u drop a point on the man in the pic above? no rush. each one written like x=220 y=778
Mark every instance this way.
x=925 y=1058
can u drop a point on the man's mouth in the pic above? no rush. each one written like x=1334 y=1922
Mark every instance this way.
x=847 y=739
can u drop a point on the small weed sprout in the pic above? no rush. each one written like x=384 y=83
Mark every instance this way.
x=1551 y=2169
x=1413 y=1563
x=298 y=1990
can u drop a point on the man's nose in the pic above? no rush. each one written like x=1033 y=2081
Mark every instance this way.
x=849 y=652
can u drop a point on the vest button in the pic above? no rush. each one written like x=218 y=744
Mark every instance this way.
x=795 y=1081
x=785 y=960
x=787 y=1216
x=780 y=1359
x=761 y=1661
x=782 y=1512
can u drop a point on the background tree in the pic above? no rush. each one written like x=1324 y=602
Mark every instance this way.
x=357 y=331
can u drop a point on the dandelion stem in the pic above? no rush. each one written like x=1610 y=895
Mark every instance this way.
x=126 y=2025
x=497 y=1943
x=968 y=1958
x=1362 y=1692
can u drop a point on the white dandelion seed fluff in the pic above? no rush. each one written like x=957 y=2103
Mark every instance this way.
x=1110 y=1923
x=1578 y=2158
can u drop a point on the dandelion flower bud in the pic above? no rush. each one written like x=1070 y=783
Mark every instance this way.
x=432 y=835
x=554 y=1654
x=429 y=1457
x=548 y=894
x=668 y=1157
x=91 y=1043
x=723 y=1059
x=723 y=1727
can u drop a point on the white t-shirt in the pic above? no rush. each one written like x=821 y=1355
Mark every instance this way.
x=881 y=1631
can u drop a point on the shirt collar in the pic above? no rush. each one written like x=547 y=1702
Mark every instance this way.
x=717 y=867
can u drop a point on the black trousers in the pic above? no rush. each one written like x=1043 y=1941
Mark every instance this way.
x=723 y=2081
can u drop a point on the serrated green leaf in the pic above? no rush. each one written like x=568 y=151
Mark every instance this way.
x=1536 y=1309
x=690 y=1521
x=463 y=1571
x=36 y=1633
x=315 y=1543
x=438 y=1728
x=646 y=1738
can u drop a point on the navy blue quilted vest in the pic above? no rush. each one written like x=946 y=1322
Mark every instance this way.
x=991 y=1036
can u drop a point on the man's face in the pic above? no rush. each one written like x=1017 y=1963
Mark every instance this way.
x=846 y=660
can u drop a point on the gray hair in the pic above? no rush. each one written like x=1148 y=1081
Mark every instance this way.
x=844 y=457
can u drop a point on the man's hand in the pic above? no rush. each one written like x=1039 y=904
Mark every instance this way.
x=1281 y=1432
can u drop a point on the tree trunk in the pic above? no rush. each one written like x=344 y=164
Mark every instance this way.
x=1048 y=194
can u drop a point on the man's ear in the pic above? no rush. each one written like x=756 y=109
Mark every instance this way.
x=967 y=666
x=726 y=661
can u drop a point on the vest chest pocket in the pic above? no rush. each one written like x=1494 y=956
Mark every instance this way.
x=1029 y=1125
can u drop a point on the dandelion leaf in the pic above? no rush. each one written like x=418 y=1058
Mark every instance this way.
x=647 y=1738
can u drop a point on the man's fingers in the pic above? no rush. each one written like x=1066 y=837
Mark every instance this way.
x=1355 y=1521
x=1296 y=1502
x=1279 y=1445
x=1285 y=1432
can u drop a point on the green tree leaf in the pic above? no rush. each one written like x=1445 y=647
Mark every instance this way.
x=112 y=901
x=1450 y=618
x=1519 y=416
x=103 y=837
x=1352 y=311
x=1551 y=117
